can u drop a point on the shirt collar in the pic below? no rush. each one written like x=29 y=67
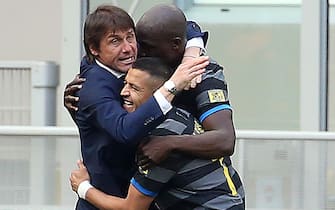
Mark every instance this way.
x=115 y=73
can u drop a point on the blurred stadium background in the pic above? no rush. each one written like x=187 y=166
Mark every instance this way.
x=280 y=67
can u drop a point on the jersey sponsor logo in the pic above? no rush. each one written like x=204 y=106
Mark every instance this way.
x=216 y=96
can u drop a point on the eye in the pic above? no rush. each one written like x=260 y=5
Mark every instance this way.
x=134 y=87
x=114 y=41
x=131 y=37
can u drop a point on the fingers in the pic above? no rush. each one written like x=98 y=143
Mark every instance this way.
x=197 y=72
x=72 y=177
x=197 y=61
x=198 y=79
x=203 y=61
x=76 y=81
x=71 y=99
x=195 y=67
x=188 y=86
x=143 y=161
x=199 y=65
x=80 y=164
x=70 y=102
x=188 y=71
x=146 y=166
x=73 y=182
x=71 y=90
x=71 y=107
x=194 y=82
x=78 y=175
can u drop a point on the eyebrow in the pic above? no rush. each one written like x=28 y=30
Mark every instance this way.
x=114 y=34
x=136 y=86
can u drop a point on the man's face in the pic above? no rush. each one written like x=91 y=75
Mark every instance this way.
x=118 y=50
x=137 y=89
x=152 y=47
x=156 y=46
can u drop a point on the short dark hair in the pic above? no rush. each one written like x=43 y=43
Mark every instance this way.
x=106 y=18
x=154 y=66
x=165 y=26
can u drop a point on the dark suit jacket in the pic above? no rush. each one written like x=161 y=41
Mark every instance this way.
x=108 y=133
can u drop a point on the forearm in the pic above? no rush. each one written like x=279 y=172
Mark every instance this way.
x=80 y=184
x=218 y=140
x=211 y=144
x=134 y=201
x=119 y=124
x=104 y=201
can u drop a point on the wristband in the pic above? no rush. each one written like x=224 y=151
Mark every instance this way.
x=83 y=188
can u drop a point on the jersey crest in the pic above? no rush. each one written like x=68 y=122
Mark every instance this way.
x=216 y=95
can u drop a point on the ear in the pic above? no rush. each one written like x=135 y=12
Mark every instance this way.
x=93 y=51
x=177 y=43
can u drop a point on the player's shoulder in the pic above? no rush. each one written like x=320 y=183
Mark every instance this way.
x=214 y=65
x=214 y=70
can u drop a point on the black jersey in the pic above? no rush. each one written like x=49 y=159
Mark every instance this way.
x=208 y=97
x=185 y=182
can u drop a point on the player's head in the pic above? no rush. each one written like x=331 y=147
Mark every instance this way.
x=161 y=32
x=109 y=36
x=142 y=80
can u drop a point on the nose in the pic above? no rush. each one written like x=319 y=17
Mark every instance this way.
x=126 y=46
x=124 y=91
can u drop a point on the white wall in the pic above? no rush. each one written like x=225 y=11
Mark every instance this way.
x=71 y=49
x=30 y=30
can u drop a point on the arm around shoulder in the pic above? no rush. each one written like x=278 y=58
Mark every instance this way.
x=217 y=141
